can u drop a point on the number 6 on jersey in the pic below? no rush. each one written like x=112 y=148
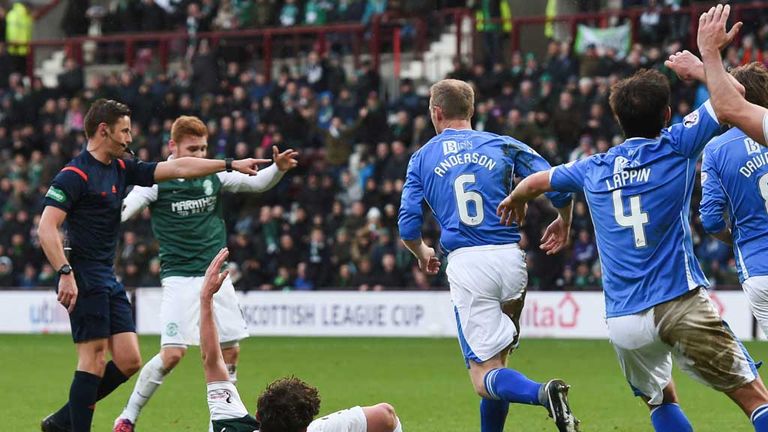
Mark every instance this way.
x=463 y=198
x=636 y=219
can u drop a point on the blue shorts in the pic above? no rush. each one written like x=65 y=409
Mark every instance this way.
x=102 y=308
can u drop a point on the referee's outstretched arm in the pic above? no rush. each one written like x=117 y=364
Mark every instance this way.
x=193 y=167
x=730 y=107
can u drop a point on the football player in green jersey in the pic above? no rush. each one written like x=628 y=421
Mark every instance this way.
x=288 y=404
x=188 y=223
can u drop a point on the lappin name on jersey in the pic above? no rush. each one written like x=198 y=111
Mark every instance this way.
x=625 y=177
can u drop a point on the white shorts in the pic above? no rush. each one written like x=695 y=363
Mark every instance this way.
x=756 y=290
x=180 y=312
x=689 y=329
x=482 y=280
x=348 y=420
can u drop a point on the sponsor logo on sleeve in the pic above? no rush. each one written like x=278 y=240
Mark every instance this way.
x=56 y=194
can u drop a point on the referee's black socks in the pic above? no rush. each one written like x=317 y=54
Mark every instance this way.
x=111 y=380
x=82 y=400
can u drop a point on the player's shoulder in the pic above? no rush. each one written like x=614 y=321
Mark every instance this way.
x=732 y=135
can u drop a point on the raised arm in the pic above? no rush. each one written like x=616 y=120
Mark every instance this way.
x=688 y=67
x=192 y=167
x=729 y=105
x=213 y=361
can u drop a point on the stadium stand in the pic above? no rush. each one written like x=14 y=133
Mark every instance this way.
x=332 y=223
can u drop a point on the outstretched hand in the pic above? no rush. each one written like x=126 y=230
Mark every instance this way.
x=248 y=166
x=686 y=65
x=214 y=277
x=512 y=210
x=555 y=237
x=285 y=160
x=712 y=35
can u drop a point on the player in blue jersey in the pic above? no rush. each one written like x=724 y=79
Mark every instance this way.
x=87 y=194
x=657 y=307
x=730 y=106
x=463 y=174
x=734 y=177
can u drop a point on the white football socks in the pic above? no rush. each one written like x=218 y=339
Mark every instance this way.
x=232 y=371
x=150 y=378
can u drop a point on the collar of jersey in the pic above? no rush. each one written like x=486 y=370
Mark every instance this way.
x=89 y=156
x=636 y=141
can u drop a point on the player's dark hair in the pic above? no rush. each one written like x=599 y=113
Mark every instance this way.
x=455 y=97
x=754 y=77
x=287 y=405
x=104 y=111
x=640 y=103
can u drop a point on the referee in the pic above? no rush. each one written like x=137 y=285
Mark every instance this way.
x=88 y=194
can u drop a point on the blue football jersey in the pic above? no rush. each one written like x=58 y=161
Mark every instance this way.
x=735 y=174
x=464 y=175
x=639 y=195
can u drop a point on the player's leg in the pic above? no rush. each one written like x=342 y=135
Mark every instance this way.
x=668 y=416
x=752 y=398
x=231 y=353
x=646 y=362
x=179 y=305
x=231 y=325
x=756 y=291
x=90 y=323
x=707 y=349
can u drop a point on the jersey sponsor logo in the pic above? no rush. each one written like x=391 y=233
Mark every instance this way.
x=752 y=146
x=208 y=187
x=188 y=207
x=704 y=177
x=452 y=146
x=172 y=329
x=691 y=119
x=220 y=395
x=56 y=194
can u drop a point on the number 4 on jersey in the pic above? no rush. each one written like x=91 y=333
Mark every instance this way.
x=636 y=219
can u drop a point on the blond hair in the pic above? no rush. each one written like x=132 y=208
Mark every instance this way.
x=455 y=98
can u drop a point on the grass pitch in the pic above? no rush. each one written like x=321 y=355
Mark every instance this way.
x=424 y=379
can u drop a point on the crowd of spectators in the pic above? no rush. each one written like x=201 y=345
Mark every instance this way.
x=333 y=221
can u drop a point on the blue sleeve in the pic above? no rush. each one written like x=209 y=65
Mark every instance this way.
x=713 y=198
x=66 y=188
x=569 y=177
x=696 y=129
x=411 y=217
x=139 y=172
x=528 y=162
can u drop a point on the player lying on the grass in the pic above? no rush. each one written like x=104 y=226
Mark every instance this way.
x=657 y=306
x=462 y=174
x=87 y=194
x=188 y=223
x=729 y=105
x=288 y=404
